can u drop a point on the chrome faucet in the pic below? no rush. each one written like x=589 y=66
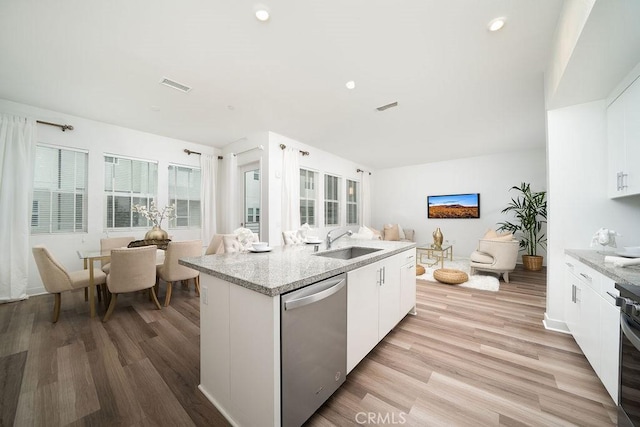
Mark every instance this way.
x=330 y=240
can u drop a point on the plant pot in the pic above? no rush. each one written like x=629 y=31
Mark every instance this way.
x=532 y=262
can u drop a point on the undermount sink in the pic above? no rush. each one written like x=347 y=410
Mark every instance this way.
x=348 y=253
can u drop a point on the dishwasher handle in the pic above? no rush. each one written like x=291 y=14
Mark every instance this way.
x=310 y=299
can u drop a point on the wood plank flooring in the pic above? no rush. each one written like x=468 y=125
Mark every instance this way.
x=468 y=358
x=473 y=358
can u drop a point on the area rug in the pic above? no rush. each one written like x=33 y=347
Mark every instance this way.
x=481 y=280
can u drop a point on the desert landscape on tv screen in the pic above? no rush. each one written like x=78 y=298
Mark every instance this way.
x=454 y=206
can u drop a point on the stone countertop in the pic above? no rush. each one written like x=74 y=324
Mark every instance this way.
x=622 y=275
x=286 y=268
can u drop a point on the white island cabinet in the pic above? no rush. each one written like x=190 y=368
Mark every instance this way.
x=379 y=295
x=240 y=303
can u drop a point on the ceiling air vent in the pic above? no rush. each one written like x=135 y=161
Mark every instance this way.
x=386 y=107
x=173 y=84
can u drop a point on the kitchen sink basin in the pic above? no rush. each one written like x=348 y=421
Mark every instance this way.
x=348 y=253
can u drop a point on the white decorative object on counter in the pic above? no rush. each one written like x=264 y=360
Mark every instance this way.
x=604 y=237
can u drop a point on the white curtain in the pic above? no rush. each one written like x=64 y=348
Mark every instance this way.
x=290 y=189
x=208 y=196
x=229 y=190
x=17 y=156
x=365 y=203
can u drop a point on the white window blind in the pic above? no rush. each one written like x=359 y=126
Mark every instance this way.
x=128 y=182
x=353 y=195
x=59 y=191
x=308 y=197
x=331 y=200
x=184 y=192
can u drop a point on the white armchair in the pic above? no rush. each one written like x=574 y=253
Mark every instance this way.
x=498 y=256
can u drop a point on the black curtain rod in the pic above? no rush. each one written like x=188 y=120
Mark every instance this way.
x=360 y=170
x=62 y=127
x=304 y=153
x=189 y=152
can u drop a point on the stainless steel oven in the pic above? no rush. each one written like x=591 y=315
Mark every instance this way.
x=629 y=405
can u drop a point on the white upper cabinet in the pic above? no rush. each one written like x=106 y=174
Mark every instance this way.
x=623 y=135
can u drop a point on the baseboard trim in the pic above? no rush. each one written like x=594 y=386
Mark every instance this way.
x=218 y=406
x=555 y=325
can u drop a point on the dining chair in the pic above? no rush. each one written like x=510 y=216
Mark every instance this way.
x=231 y=244
x=132 y=269
x=56 y=279
x=112 y=243
x=170 y=271
x=291 y=238
x=216 y=246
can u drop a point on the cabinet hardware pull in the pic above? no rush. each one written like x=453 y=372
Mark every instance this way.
x=623 y=181
x=573 y=293
x=618 y=181
x=384 y=274
x=569 y=264
x=586 y=276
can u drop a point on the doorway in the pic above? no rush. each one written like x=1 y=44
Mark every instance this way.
x=251 y=195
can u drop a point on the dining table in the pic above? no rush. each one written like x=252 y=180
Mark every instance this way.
x=89 y=257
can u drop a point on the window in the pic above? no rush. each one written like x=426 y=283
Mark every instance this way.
x=184 y=192
x=59 y=191
x=308 y=197
x=331 y=200
x=128 y=182
x=353 y=194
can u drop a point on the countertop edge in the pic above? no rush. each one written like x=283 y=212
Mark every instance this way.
x=194 y=263
x=595 y=260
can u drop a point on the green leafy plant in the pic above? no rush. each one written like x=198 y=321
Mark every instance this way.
x=530 y=211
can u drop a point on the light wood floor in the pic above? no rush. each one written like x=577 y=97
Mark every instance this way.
x=468 y=358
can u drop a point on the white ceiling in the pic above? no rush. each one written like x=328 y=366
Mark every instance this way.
x=462 y=91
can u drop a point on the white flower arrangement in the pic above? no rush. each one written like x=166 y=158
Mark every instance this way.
x=154 y=215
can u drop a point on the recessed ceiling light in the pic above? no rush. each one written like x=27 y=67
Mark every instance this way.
x=155 y=108
x=496 y=24
x=230 y=107
x=350 y=84
x=262 y=15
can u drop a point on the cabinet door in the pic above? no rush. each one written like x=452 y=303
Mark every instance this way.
x=615 y=145
x=407 y=288
x=389 y=295
x=571 y=306
x=590 y=328
x=632 y=139
x=610 y=341
x=362 y=313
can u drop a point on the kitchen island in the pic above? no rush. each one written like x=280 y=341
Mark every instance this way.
x=240 y=306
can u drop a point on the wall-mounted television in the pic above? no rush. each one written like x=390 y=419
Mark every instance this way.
x=454 y=206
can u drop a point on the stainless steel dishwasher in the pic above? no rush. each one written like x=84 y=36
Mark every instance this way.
x=313 y=337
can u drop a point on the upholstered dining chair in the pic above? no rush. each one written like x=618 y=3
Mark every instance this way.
x=171 y=271
x=231 y=244
x=498 y=256
x=56 y=279
x=112 y=243
x=132 y=269
x=291 y=238
x=216 y=246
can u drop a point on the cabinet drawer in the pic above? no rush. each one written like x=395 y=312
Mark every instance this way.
x=587 y=275
x=407 y=257
x=607 y=286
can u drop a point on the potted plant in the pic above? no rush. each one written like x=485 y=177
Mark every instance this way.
x=530 y=211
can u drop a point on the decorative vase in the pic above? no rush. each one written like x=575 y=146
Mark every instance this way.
x=156 y=233
x=437 y=239
x=532 y=262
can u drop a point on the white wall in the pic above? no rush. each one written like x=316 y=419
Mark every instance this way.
x=100 y=138
x=270 y=160
x=400 y=194
x=578 y=202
